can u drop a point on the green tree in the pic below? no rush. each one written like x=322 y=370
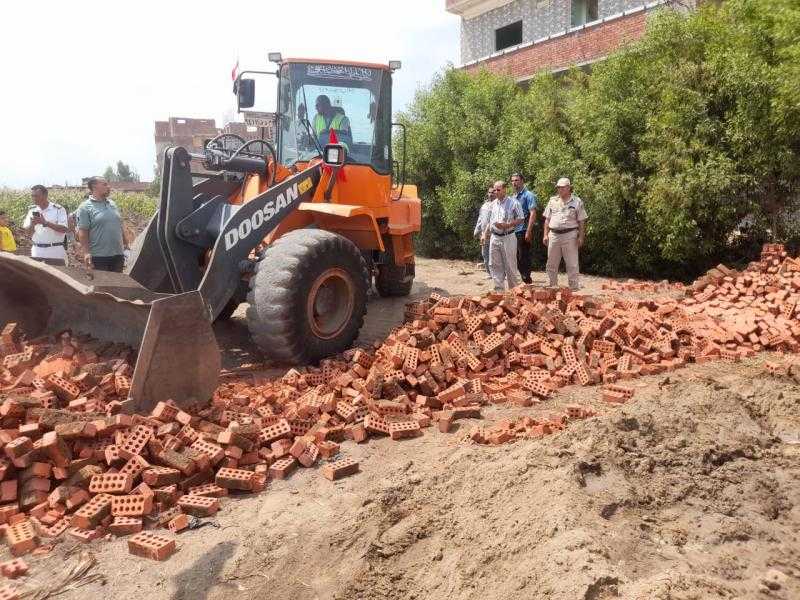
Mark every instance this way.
x=123 y=173
x=674 y=143
x=452 y=129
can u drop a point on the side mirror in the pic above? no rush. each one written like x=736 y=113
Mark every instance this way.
x=246 y=93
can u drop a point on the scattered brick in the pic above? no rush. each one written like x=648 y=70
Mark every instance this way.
x=340 y=468
x=178 y=523
x=14 y=568
x=125 y=525
x=70 y=461
x=151 y=545
x=198 y=506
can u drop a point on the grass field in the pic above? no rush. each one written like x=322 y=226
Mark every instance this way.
x=16 y=202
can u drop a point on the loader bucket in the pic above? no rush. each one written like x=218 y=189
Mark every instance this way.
x=178 y=357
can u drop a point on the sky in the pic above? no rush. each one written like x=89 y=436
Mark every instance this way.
x=83 y=82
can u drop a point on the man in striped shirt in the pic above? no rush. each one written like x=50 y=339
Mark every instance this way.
x=505 y=215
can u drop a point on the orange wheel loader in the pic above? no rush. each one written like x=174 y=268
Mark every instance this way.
x=297 y=228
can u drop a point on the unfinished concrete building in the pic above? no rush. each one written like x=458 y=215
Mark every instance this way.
x=523 y=37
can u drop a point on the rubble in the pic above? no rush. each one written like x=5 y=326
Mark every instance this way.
x=74 y=466
x=643 y=287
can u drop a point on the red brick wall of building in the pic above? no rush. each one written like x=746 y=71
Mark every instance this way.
x=585 y=45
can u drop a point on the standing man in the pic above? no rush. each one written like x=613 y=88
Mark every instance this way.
x=103 y=240
x=524 y=231
x=504 y=217
x=47 y=224
x=564 y=232
x=482 y=225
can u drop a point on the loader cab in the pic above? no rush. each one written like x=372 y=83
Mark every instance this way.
x=352 y=99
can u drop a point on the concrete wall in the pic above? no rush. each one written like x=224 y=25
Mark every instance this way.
x=540 y=18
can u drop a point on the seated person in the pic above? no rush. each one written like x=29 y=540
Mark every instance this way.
x=329 y=117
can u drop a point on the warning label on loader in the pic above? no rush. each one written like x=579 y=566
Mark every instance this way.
x=304 y=185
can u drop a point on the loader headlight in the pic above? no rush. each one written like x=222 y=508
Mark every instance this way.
x=334 y=155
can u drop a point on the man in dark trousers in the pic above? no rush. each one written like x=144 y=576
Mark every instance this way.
x=100 y=232
x=524 y=231
x=47 y=223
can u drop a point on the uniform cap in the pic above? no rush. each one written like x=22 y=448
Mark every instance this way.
x=564 y=182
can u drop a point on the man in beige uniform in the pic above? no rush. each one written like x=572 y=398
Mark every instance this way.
x=564 y=232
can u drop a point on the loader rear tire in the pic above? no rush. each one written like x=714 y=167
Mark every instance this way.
x=308 y=296
x=391 y=279
x=227 y=311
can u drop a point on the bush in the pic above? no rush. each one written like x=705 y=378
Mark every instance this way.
x=674 y=143
x=17 y=202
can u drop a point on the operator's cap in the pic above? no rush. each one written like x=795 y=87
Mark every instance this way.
x=564 y=182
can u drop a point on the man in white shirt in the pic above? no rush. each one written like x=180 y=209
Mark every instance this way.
x=47 y=224
x=504 y=216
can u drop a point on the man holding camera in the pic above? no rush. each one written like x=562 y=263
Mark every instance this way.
x=47 y=224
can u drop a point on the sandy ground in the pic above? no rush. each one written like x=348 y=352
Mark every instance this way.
x=688 y=492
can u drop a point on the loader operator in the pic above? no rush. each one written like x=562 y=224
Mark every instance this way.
x=330 y=118
x=47 y=222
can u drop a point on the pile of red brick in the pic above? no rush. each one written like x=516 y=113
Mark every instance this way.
x=511 y=430
x=73 y=465
x=642 y=287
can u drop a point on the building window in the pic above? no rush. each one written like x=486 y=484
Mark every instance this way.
x=508 y=36
x=583 y=11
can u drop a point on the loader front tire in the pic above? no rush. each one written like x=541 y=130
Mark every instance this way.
x=308 y=296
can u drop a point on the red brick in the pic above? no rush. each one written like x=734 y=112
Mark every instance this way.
x=151 y=545
x=340 y=468
x=198 y=506
x=21 y=538
x=131 y=505
x=14 y=568
x=125 y=525
x=404 y=429
x=160 y=476
x=235 y=479
x=212 y=490
x=178 y=524
x=111 y=483
x=282 y=467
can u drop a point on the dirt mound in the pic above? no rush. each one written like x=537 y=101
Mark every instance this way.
x=685 y=493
